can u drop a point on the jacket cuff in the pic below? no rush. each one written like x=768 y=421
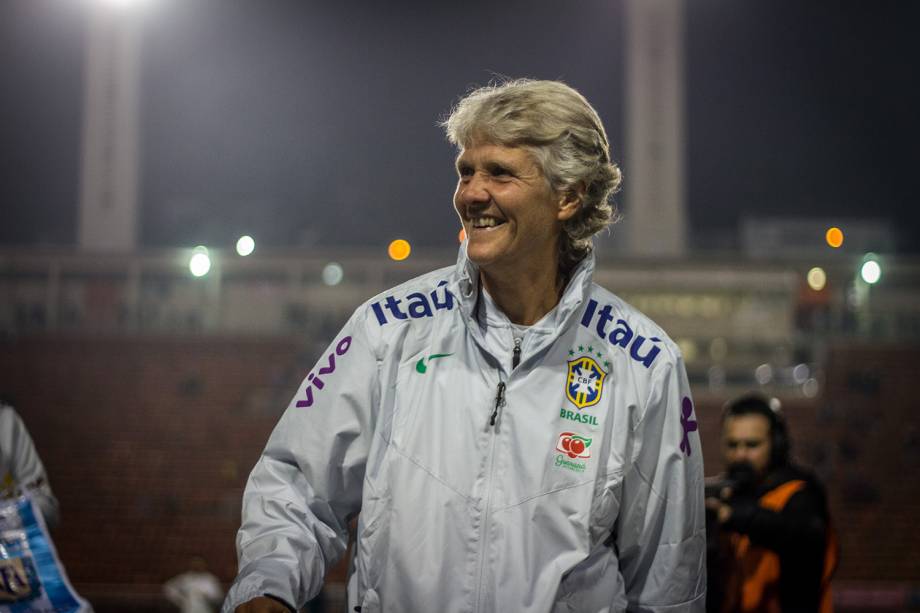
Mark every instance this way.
x=262 y=578
x=281 y=601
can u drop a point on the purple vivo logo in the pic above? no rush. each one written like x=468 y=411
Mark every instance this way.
x=314 y=380
x=689 y=425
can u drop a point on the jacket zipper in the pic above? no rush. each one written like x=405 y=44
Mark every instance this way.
x=500 y=393
x=496 y=409
x=499 y=403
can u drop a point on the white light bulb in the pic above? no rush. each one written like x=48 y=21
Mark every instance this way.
x=333 y=274
x=817 y=278
x=200 y=264
x=245 y=245
x=871 y=272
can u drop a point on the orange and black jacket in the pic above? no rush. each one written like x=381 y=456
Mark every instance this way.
x=778 y=551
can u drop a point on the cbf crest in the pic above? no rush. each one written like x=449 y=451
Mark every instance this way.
x=585 y=382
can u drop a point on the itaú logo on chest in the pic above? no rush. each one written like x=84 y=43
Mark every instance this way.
x=573 y=445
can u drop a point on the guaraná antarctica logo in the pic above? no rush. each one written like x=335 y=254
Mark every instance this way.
x=584 y=384
x=571 y=447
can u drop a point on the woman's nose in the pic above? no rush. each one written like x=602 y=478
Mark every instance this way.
x=474 y=189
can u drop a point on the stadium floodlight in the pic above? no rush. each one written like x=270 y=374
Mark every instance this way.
x=245 y=246
x=333 y=274
x=834 y=237
x=121 y=4
x=871 y=272
x=871 y=269
x=399 y=249
x=816 y=278
x=200 y=262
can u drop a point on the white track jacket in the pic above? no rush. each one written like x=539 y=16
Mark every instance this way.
x=561 y=474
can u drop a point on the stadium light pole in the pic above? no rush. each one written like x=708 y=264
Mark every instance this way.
x=110 y=141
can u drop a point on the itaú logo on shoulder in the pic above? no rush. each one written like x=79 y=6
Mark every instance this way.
x=573 y=445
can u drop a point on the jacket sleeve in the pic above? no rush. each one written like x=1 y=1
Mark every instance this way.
x=26 y=467
x=307 y=484
x=661 y=531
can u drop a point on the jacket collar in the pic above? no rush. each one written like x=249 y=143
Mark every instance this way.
x=466 y=289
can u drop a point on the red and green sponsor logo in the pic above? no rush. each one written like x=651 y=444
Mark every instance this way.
x=571 y=452
x=574 y=445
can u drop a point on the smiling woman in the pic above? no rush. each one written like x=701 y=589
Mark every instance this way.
x=535 y=179
x=441 y=427
x=564 y=137
x=511 y=215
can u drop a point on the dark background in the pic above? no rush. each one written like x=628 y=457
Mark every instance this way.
x=313 y=124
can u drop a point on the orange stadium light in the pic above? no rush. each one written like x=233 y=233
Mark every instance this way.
x=399 y=249
x=834 y=237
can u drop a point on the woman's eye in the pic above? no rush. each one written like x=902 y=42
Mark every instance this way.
x=499 y=171
x=464 y=171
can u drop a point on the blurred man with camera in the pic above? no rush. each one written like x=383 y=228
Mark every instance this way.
x=771 y=545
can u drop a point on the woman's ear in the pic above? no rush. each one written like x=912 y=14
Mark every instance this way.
x=570 y=201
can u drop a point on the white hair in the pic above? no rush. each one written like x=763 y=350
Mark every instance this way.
x=566 y=138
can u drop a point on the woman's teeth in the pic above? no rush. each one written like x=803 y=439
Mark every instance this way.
x=486 y=222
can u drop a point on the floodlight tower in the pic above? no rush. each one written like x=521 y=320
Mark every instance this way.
x=109 y=173
x=655 y=135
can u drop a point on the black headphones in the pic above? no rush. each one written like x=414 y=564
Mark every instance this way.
x=754 y=403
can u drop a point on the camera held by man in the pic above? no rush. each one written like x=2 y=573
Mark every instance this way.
x=771 y=546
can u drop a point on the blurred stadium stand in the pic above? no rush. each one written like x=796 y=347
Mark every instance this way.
x=150 y=393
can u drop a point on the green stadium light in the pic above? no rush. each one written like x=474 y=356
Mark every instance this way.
x=871 y=270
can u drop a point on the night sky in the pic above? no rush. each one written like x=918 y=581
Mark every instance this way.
x=315 y=123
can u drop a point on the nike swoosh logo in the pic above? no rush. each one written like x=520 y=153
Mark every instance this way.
x=421 y=367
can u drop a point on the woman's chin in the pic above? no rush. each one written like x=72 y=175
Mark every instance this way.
x=481 y=255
